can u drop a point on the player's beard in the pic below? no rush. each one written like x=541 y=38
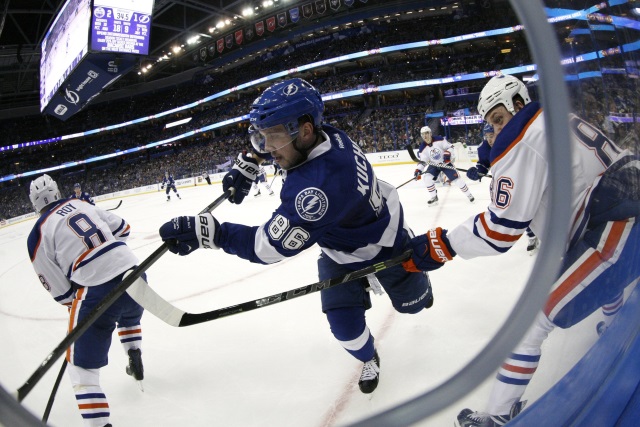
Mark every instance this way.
x=301 y=155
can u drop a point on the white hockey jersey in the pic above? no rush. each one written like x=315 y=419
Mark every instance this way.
x=435 y=154
x=77 y=242
x=520 y=194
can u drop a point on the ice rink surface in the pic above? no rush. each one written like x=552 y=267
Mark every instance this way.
x=278 y=365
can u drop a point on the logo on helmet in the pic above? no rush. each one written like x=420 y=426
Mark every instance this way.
x=290 y=89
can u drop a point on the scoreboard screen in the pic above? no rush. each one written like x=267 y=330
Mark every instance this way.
x=121 y=26
x=63 y=47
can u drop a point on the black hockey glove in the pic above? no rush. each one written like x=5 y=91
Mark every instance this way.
x=240 y=177
x=430 y=251
x=185 y=234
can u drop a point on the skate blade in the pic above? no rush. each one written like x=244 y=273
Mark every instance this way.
x=140 y=386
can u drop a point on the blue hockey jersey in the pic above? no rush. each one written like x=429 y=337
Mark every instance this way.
x=333 y=199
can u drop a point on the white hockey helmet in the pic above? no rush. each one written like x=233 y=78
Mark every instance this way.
x=425 y=129
x=43 y=191
x=501 y=90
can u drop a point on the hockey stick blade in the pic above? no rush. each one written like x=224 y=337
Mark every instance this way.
x=117 y=206
x=102 y=306
x=142 y=293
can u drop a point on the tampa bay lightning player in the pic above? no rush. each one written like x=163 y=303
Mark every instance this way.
x=331 y=197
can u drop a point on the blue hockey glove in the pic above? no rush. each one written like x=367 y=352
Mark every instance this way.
x=185 y=234
x=472 y=174
x=430 y=251
x=240 y=177
x=482 y=169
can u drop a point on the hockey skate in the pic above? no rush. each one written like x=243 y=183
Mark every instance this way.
x=433 y=201
x=601 y=327
x=257 y=194
x=472 y=199
x=532 y=247
x=370 y=375
x=469 y=418
x=135 y=368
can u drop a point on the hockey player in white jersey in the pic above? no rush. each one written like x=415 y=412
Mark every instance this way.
x=331 y=197
x=261 y=179
x=434 y=153
x=476 y=173
x=79 y=253
x=602 y=248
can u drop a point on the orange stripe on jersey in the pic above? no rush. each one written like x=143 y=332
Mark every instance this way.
x=131 y=332
x=494 y=235
x=92 y=405
x=591 y=263
x=126 y=229
x=81 y=257
x=72 y=316
x=518 y=369
x=518 y=138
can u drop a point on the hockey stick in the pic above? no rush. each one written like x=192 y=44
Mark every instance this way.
x=440 y=165
x=168 y=313
x=113 y=209
x=47 y=410
x=102 y=306
x=412 y=179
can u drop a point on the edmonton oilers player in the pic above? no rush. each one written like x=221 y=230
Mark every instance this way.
x=79 y=253
x=601 y=259
x=434 y=151
x=331 y=197
x=481 y=169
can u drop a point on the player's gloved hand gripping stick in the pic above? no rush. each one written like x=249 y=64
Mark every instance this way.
x=99 y=309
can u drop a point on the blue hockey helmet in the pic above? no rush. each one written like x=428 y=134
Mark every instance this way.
x=283 y=104
x=487 y=128
x=77 y=185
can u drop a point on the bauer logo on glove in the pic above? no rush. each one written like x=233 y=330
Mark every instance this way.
x=430 y=251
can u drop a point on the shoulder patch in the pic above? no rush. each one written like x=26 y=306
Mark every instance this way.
x=311 y=204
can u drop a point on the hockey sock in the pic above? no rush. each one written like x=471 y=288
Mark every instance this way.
x=349 y=328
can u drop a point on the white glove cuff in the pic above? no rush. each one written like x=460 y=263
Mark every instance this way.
x=206 y=231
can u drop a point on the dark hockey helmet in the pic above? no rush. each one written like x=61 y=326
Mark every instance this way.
x=283 y=104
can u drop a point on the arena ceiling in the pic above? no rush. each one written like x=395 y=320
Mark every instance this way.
x=23 y=24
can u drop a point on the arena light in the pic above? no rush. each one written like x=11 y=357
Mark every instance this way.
x=177 y=123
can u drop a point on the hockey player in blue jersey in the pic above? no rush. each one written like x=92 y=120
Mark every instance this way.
x=170 y=183
x=331 y=197
x=79 y=253
x=82 y=195
x=601 y=259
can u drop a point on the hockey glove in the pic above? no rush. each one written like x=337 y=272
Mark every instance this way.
x=477 y=172
x=185 y=234
x=417 y=174
x=430 y=251
x=240 y=177
x=447 y=157
x=472 y=174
